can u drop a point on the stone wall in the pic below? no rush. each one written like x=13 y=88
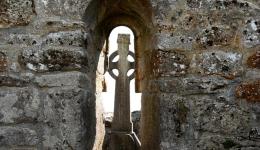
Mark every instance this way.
x=47 y=96
x=198 y=68
x=207 y=66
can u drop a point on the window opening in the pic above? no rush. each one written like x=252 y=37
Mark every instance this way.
x=108 y=96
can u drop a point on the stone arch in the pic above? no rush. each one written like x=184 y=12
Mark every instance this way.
x=101 y=17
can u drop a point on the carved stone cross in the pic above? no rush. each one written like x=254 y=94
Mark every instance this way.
x=122 y=135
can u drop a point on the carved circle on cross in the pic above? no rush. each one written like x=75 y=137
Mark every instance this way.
x=113 y=65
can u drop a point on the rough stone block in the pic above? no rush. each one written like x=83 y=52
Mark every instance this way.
x=194 y=85
x=202 y=116
x=67 y=118
x=8 y=58
x=208 y=141
x=226 y=64
x=204 y=85
x=16 y=12
x=17 y=136
x=210 y=115
x=212 y=142
x=174 y=112
x=169 y=41
x=3 y=62
x=171 y=63
x=66 y=38
x=56 y=38
x=168 y=85
x=215 y=36
x=251 y=33
x=162 y=9
x=19 y=105
x=13 y=80
x=64 y=79
x=249 y=91
x=219 y=4
x=19 y=39
x=70 y=8
x=253 y=61
x=252 y=74
x=54 y=59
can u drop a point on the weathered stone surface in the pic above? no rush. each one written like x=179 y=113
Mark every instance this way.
x=20 y=39
x=16 y=12
x=249 y=91
x=65 y=114
x=168 y=41
x=226 y=64
x=54 y=59
x=219 y=117
x=252 y=74
x=190 y=120
x=215 y=36
x=13 y=80
x=206 y=85
x=254 y=60
x=3 y=62
x=218 y=4
x=251 y=33
x=171 y=63
x=64 y=79
x=69 y=8
x=16 y=136
x=194 y=85
x=9 y=64
x=174 y=116
x=56 y=38
x=66 y=38
x=19 y=105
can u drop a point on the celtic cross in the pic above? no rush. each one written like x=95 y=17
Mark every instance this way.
x=122 y=135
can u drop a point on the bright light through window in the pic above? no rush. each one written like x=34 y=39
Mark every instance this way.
x=108 y=97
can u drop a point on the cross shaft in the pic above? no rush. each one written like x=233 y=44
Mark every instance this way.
x=122 y=136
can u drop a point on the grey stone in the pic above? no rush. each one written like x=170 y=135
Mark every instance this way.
x=11 y=80
x=59 y=38
x=15 y=136
x=65 y=115
x=227 y=64
x=77 y=79
x=207 y=85
x=251 y=33
x=69 y=8
x=194 y=85
x=19 y=105
x=54 y=59
x=218 y=117
x=168 y=41
x=3 y=62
